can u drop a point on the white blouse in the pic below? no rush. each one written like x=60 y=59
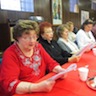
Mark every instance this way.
x=71 y=45
x=83 y=38
x=71 y=36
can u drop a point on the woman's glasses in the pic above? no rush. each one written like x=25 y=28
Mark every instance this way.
x=29 y=38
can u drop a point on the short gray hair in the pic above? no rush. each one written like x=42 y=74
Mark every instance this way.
x=23 y=26
x=60 y=29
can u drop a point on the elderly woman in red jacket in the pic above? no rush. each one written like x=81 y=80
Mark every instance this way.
x=25 y=62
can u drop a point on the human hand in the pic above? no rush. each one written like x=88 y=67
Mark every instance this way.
x=59 y=69
x=65 y=75
x=88 y=50
x=46 y=85
x=74 y=58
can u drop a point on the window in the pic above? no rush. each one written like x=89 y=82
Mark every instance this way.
x=74 y=6
x=93 y=5
x=18 y=5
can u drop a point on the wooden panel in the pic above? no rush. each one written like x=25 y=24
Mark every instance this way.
x=4 y=36
x=43 y=8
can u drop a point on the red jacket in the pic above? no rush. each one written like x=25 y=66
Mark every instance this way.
x=16 y=67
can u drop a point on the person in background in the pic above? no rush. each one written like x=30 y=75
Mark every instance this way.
x=75 y=30
x=71 y=34
x=63 y=41
x=25 y=62
x=84 y=36
x=52 y=47
x=94 y=29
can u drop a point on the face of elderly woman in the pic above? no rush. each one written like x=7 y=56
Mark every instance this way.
x=88 y=27
x=48 y=34
x=71 y=27
x=65 y=34
x=28 y=40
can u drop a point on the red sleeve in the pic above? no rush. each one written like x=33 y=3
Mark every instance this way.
x=51 y=63
x=9 y=72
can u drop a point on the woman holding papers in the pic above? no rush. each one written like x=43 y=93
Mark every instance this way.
x=71 y=34
x=25 y=62
x=84 y=35
x=63 y=41
x=52 y=47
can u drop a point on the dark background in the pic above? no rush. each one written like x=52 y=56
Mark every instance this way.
x=42 y=8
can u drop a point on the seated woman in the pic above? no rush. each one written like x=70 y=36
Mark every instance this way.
x=51 y=46
x=63 y=41
x=25 y=62
x=71 y=34
x=84 y=35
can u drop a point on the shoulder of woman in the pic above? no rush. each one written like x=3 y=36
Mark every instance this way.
x=10 y=49
x=80 y=32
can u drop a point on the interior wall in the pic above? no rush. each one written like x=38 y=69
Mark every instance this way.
x=43 y=8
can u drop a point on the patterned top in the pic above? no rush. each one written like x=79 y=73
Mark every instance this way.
x=16 y=67
x=32 y=62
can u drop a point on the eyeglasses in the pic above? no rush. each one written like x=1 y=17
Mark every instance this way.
x=30 y=38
